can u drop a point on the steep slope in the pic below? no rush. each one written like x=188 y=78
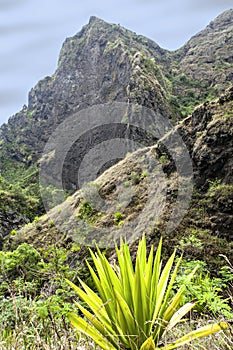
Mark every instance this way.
x=102 y=63
x=208 y=55
x=17 y=208
x=106 y=63
x=202 y=68
x=206 y=229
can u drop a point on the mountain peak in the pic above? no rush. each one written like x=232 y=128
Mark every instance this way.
x=226 y=15
x=224 y=19
x=94 y=19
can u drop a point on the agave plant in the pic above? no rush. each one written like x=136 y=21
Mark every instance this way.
x=135 y=307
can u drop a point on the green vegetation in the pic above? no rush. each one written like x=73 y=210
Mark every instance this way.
x=186 y=93
x=88 y=213
x=17 y=199
x=34 y=297
x=144 y=174
x=118 y=217
x=137 y=301
x=35 y=300
x=205 y=290
x=150 y=67
x=135 y=307
x=136 y=177
x=86 y=210
x=163 y=159
x=217 y=189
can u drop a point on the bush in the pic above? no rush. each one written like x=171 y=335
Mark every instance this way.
x=205 y=290
x=20 y=262
x=35 y=300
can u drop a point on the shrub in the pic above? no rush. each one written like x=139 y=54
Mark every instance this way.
x=21 y=261
x=118 y=217
x=205 y=290
x=135 y=307
x=135 y=177
x=35 y=299
x=86 y=211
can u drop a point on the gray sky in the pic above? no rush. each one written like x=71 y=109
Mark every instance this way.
x=32 y=32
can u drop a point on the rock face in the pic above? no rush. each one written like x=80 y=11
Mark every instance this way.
x=100 y=64
x=202 y=68
x=106 y=63
x=207 y=57
x=208 y=133
x=127 y=186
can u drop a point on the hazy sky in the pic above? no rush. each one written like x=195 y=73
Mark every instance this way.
x=32 y=32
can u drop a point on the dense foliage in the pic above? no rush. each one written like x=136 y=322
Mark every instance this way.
x=34 y=298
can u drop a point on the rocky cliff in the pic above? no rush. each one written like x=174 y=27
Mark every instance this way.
x=102 y=63
x=205 y=232
x=207 y=57
x=106 y=63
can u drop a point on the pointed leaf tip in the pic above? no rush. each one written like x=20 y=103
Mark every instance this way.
x=149 y=344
